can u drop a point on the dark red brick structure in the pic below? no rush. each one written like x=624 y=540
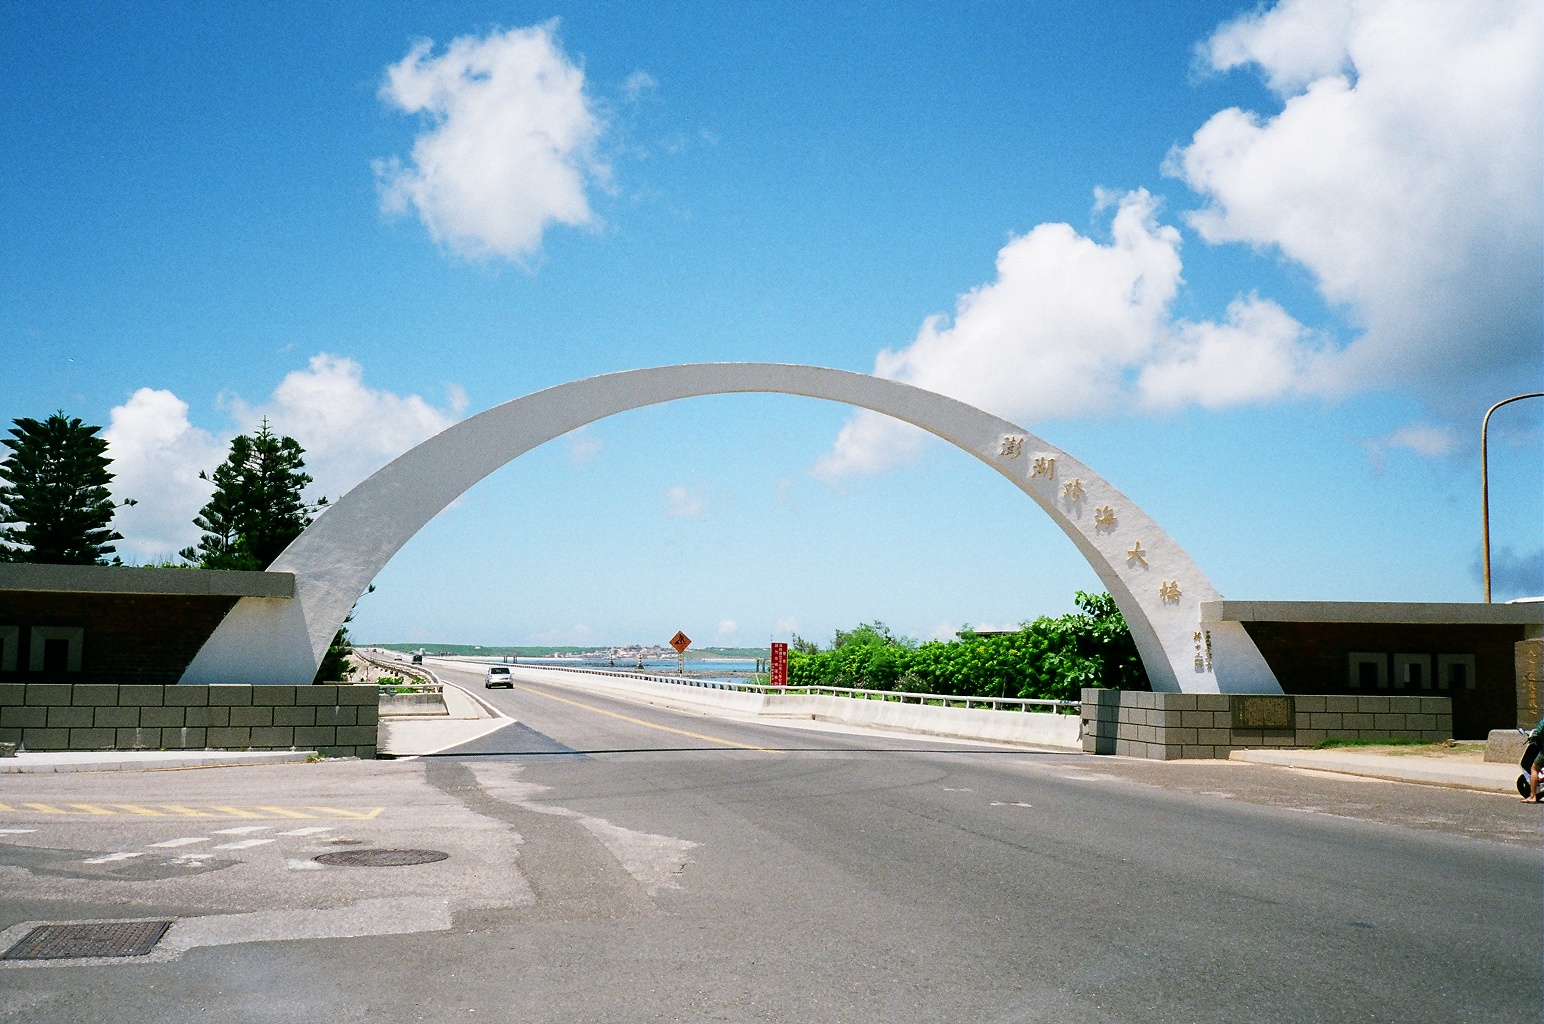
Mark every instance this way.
x=115 y=624
x=1464 y=652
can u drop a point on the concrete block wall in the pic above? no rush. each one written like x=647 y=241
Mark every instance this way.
x=335 y=721
x=1167 y=726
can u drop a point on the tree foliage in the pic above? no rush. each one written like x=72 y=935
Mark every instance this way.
x=257 y=507
x=54 y=502
x=1047 y=658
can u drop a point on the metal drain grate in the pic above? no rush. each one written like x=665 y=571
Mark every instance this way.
x=381 y=858
x=74 y=941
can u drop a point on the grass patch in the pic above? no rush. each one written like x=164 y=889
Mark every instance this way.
x=1393 y=741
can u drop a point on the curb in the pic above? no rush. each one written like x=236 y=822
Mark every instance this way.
x=1472 y=777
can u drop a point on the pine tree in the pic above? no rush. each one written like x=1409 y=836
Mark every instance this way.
x=257 y=507
x=54 y=501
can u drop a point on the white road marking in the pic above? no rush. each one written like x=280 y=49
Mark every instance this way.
x=15 y=831
x=245 y=844
x=185 y=841
x=1010 y=803
x=313 y=831
x=296 y=864
x=951 y=789
x=242 y=830
x=111 y=857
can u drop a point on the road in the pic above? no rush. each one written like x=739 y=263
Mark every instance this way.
x=611 y=861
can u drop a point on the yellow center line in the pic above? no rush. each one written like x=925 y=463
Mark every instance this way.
x=92 y=809
x=190 y=812
x=237 y=812
x=362 y=816
x=286 y=813
x=651 y=725
x=45 y=809
x=136 y=809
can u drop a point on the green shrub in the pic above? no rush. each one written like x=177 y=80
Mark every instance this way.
x=1046 y=659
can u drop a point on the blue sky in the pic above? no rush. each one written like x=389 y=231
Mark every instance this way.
x=1261 y=267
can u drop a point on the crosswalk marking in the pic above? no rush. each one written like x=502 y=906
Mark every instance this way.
x=113 y=857
x=245 y=844
x=312 y=831
x=243 y=830
x=185 y=841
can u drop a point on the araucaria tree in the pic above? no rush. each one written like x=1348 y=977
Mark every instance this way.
x=54 y=502
x=257 y=507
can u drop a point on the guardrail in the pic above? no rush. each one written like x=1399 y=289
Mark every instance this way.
x=1059 y=707
x=427 y=681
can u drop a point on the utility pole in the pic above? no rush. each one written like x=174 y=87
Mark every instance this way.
x=1485 y=480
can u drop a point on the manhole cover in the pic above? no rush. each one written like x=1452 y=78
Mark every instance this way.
x=73 y=941
x=381 y=858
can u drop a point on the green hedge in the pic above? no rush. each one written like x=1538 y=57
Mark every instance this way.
x=1047 y=658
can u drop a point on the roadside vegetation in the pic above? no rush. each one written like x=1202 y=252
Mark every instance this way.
x=1047 y=658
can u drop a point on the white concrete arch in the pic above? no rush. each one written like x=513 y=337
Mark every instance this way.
x=1155 y=583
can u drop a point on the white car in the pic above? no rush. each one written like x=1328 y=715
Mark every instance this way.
x=498 y=675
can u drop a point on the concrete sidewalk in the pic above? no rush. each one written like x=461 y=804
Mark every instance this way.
x=142 y=760
x=1425 y=770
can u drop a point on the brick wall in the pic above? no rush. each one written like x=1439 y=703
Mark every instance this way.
x=128 y=638
x=1166 y=726
x=335 y=721
x=1312 y=658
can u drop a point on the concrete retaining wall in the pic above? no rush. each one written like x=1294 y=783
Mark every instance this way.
x=1027 y=727
x=1166 y=726
x=335 y=721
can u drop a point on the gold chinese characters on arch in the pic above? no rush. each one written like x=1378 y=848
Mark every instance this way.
x=1011 y=446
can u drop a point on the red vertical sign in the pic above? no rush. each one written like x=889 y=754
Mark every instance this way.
x=779 y=664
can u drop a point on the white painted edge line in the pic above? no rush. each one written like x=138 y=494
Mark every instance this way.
x=499 y=721
x=495 y=712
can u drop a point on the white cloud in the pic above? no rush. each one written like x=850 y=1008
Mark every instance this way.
x=583 y=448
x=728 y=628
x=348 y=430
x=1424 y=439
x=157 y=455
x=638 y=84
x=577 y=635
x=682 y=503
x=1066 y=327
x=1403 y=171
x=1258 y=354
x=511 y=147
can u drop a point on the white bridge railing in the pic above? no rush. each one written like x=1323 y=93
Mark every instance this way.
x=416 y=678
x=1060 y=707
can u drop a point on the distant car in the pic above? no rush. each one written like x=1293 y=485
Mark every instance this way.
x=498 y=675
x=418 y=659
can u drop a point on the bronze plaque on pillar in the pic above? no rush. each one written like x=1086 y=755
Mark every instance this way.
x=1266 y=712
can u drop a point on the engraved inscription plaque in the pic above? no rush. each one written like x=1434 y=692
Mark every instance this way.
x=1269 y=713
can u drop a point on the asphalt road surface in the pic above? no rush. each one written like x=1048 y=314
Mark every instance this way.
x=612 y=861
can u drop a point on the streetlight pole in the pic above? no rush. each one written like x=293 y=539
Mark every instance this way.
x=1485 y=480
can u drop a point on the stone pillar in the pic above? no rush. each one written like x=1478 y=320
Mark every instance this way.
x=1528 y=656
